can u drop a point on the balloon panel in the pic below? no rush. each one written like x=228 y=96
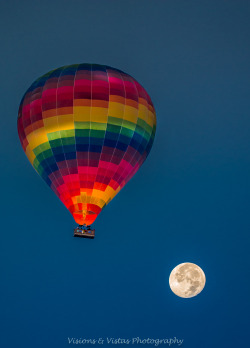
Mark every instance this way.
x=86 y=129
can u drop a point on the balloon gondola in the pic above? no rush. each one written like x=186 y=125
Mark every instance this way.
x=84 y=231
x=86 y=129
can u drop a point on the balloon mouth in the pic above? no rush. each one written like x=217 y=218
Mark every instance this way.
x=85 y=212
x=86 y=217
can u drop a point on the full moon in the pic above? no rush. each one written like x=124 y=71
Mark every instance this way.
x=187 y=280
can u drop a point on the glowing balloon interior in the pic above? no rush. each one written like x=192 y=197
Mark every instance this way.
x=86 y=129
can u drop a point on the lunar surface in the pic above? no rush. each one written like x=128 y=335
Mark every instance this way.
x=187 y=280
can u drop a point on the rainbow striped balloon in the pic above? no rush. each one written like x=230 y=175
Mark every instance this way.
x=86 y=129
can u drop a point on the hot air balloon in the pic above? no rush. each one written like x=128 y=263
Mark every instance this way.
x=86 y=129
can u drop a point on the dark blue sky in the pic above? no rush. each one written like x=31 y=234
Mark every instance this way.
x=189 y=202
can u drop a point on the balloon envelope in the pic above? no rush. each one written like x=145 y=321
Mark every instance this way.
x=86 y=129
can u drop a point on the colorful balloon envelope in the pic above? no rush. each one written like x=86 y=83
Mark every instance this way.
x=86 y=129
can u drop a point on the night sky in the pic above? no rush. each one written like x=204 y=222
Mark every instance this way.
x=189 y=202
